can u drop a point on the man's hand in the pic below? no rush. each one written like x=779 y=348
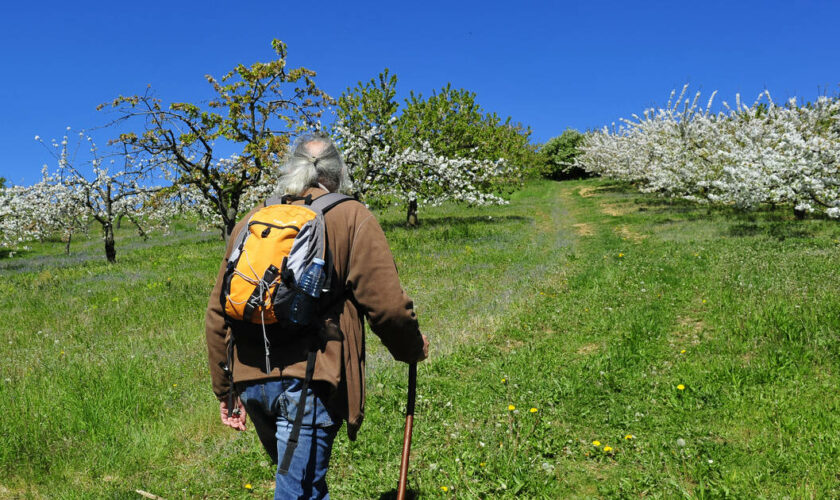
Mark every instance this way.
x=425 y=349
x=235 y=421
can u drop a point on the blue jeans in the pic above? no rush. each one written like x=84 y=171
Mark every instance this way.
x=272 y=406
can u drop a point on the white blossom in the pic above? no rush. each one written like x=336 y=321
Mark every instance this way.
x=743 y=156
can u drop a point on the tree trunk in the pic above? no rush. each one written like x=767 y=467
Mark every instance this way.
x=110 y=250
x=800 y=214
x=411 y=216
x=119 y=221
x=67 y=246
x=229 y=224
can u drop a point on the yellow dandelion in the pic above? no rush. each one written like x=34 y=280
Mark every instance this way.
x=607 y=449
x=174 y=385
x=444 y=489
x=682 y=352
x=704 y=301
x=62 y=352
x=482 y=464
x=680 y=387
x=511 y=407
x=504 y=381
x=248 y=486
x=620 y=255
x=586 y=309
x=629 y=436
x=596 y=443
x=533 y=410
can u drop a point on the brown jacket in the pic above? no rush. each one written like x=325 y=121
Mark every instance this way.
x=364 y=264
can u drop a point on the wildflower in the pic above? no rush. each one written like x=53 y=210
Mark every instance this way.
x=482 y=464
x=533 y=410
x=174 y=385
x=629 y=436
x=444 y=489
x=607 y=449
x=596 y=443
x=682 y=352
x=620 y=255
x=704 y=301
x=248 y=486
x=511 y=407
x=680 y=387
x=681 y=442
x=504 y=381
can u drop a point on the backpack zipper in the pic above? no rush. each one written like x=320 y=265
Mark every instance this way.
x=267 y=230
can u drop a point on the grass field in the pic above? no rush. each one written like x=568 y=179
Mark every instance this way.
x=699 y=348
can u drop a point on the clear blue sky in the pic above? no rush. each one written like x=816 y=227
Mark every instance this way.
x=550 y=65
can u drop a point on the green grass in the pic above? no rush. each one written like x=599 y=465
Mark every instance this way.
x=582 y=296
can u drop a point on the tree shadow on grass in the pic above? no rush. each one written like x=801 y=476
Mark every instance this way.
x=8 y=253
x=432 y=222
x=666 y=205
x=778 y=230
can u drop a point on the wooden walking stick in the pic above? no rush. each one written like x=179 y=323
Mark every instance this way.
x=409 y=424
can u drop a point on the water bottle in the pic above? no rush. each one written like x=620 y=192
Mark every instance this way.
x=310 y=288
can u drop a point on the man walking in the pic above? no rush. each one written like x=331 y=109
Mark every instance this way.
x=369 y=288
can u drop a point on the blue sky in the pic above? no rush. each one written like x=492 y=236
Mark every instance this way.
x=550 y=65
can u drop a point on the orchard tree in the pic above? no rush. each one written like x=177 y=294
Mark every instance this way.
x=444 y=147
x=118 y=185
x=742 y=156
x=558 y=155
x=417 y=176
x=261 y=107
x=455 y=125
x=47 y=208
x=365 y=126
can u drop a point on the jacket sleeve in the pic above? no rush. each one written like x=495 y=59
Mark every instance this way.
x=216 y=333
x=372 y=277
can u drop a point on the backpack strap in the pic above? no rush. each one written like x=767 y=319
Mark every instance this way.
x=292 y=443
x=326 y=202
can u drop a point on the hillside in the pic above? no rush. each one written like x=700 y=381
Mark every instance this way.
x=697 y=347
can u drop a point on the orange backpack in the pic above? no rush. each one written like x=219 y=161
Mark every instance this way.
x=270 y=255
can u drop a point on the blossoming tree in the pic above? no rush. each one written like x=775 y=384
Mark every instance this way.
x=437 y=149
x=743 y=156
x=105 y=194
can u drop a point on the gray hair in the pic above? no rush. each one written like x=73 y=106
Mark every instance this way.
x=313 y=159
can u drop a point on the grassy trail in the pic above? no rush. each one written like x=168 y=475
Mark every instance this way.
x=698 y=347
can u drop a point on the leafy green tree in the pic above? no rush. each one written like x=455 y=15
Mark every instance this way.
x=455 y=125
x=2 y=183
x=432 y=146
x=367 y=114
x=558 y=156
x=261 y=107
